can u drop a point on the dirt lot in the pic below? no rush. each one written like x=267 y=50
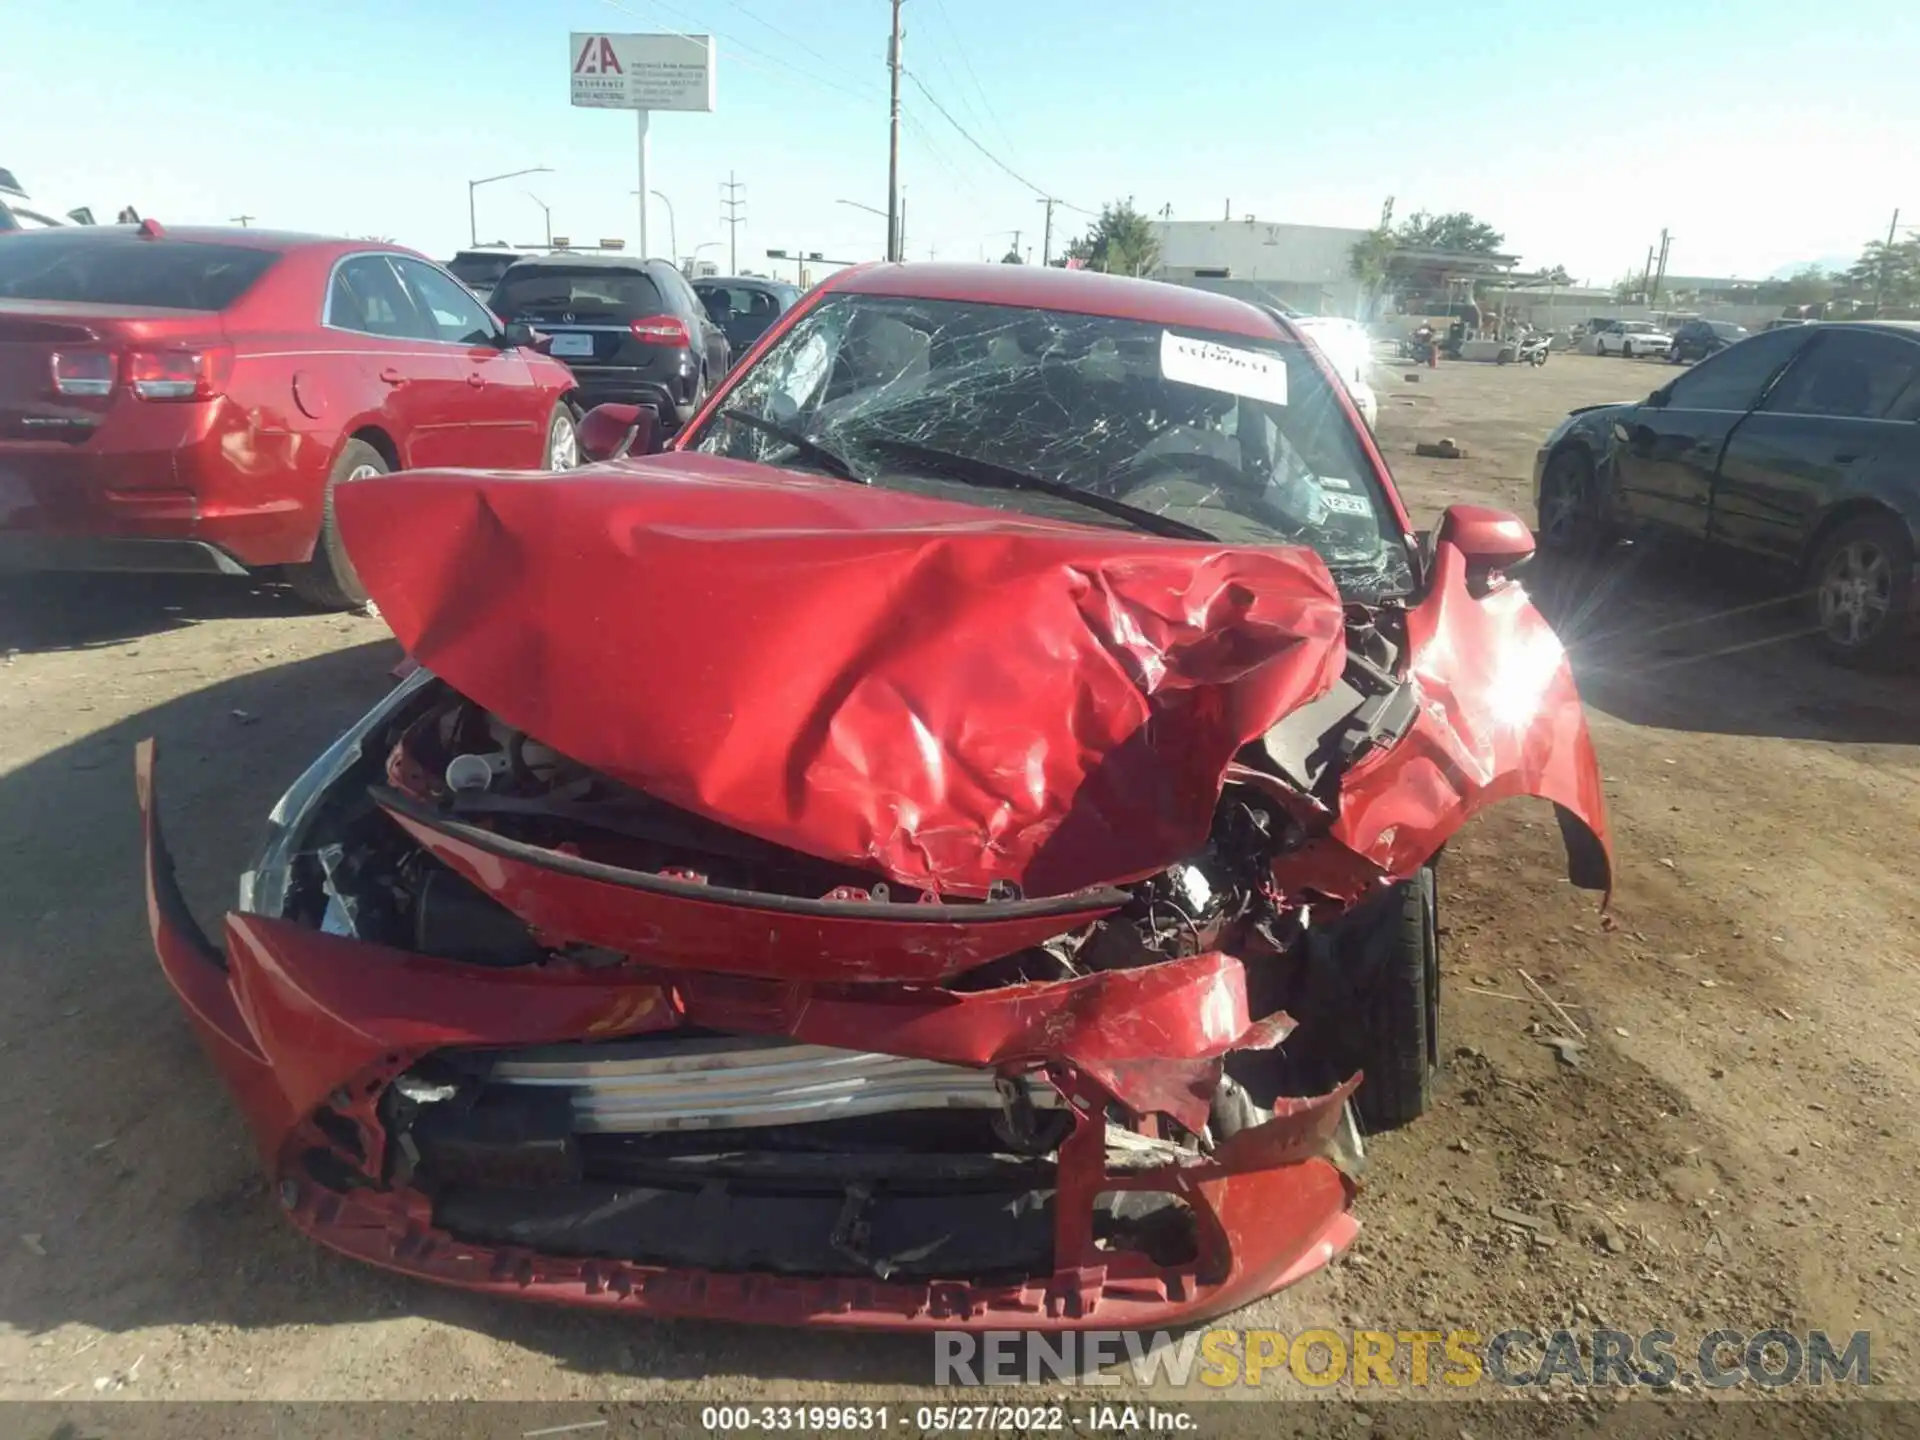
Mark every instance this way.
x=1735 y=1147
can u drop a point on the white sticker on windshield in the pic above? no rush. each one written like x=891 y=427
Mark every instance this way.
x=1348 y=504
x=1334 y=482
x=1226 y=368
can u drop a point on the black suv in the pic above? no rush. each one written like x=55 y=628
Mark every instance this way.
x=745 y=306
x=480 y=270
x=1697 y=339
x=630 y=330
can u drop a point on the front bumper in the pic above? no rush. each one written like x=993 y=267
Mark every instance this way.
x=310 y=1030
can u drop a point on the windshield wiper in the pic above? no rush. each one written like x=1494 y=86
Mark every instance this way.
x=828 y=460
x=971 y=471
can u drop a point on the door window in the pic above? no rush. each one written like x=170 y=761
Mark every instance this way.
x=457 y=317
x=1850 y=374
x=367 y=296
x=1735 y=378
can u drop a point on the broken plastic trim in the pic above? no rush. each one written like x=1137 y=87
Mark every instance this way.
x=1080 y=906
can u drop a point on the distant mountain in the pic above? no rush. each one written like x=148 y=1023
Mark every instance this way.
x=1825 y=262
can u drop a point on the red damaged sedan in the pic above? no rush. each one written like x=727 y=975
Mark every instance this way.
x=950 y=844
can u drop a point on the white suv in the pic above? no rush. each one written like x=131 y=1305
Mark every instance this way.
x=1631 y=338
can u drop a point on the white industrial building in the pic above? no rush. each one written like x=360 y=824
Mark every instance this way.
x=1305 y=266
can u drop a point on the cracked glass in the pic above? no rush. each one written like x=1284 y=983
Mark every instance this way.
x=964 y=400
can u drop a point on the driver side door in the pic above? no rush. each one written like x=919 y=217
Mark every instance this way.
x=1665 y=452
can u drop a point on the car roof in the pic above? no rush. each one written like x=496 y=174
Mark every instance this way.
x=749 y=282
x=589 y=261
x=1079 y=292
x=241 y=236
x=1908 y=328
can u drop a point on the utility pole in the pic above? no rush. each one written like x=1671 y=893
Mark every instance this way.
x=1016 y=242
x=1660 y=275
x=1229 y=214
x=732 y=203
x=243 y=221
x=1646 y=275
x=1046 y=236
x=1886 y=264
x=895 y=250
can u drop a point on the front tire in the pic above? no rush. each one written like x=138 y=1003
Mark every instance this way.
x=1569 y=521
x=1391 y=1032
x=1862 y=588
x=563 y=440
x=328 y=580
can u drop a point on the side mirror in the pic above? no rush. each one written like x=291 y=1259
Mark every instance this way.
x=613 y=432
x=1494 y=542
x=521 y=336
x=1661 y=396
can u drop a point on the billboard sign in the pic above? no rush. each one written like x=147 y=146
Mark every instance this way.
x=643 y=72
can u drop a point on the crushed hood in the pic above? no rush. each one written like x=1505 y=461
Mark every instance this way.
x=947 y=694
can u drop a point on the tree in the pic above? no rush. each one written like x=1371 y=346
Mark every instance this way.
x=1809 y=285
x=1888 y=276
x=1456 y=231
x=1012 y=257
x=1121 y=242
x=1370 y=261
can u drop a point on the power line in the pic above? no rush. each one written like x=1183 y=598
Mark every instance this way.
x=786 y=35
x=961 y=50
x=968 y=137
x=735 y=42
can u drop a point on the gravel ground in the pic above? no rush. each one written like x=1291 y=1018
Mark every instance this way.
x=1735 y=1146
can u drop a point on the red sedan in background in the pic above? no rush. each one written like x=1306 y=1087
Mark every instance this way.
x=185 y=400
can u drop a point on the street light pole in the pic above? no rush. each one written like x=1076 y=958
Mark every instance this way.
x=473 y=223
x=673 y=233
x=894 y=237
x=544 y=210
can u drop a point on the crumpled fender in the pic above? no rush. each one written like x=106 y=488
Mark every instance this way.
x=1499 y=717
x=950 y=694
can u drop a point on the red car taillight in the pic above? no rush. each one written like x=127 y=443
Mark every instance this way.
x=82 y=372
x=668 y=330
x=178 y=374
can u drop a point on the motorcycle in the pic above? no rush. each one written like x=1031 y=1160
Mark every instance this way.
x=1533 y=349
x=1421 y=347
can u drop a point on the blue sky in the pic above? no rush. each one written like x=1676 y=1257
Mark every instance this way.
x=1761 y=134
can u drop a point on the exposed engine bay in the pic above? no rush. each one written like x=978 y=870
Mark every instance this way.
x=672 y=1147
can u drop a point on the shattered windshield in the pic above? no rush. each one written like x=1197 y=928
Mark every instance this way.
x=1240 y=439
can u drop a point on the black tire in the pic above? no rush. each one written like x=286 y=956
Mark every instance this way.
x=1568 y=521
x=1392 y=1032
x=563 y=439
x=683 y=414
x=1860 y=584
x=328 y=581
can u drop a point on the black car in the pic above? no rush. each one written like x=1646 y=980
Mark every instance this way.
x=1697 y=339
x=745 y=306
x=631 y=330
x=1800 y=446
x=480 y=270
